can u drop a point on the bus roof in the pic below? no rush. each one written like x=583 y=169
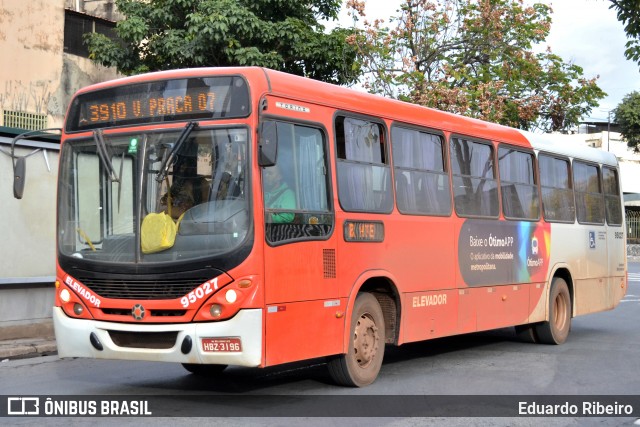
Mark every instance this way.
x=565 y=146
x=339 y=97
x=307 y=90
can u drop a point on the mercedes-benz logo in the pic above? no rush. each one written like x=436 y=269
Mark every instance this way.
x=137 y=312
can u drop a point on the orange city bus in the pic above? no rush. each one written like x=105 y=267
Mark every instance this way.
x=316 y=221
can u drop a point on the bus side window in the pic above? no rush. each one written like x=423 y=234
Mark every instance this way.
x=364 y=178
x=474 y=185
x=557 y=192
x=589 y=197
x=518 y=184
x=303 y=170
x=421 y=181
x=612 y=196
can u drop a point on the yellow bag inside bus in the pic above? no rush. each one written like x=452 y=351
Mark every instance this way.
x=158 y=232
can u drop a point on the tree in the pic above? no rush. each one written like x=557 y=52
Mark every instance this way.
x=628 y=12
x=279 y=34
x=474 y=58
x=627 y=116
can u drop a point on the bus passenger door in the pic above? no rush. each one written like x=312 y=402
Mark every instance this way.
x=592 y=291
x=301 y=290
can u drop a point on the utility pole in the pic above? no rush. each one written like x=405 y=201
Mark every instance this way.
x=608 y=128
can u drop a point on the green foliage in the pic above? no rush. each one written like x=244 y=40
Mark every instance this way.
x=627 y=116
x=475 y=58
x=628 y=12
x=280 y=34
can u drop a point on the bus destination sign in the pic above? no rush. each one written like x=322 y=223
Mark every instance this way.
x=167 y=100
x=363 y=231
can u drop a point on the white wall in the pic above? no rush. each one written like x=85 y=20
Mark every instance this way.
x=27 y=226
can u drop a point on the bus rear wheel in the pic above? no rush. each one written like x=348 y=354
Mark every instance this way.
x=361 y=364
x=556 y=330
x=204 y=370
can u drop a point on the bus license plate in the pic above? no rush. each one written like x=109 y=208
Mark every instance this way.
x=227 y=345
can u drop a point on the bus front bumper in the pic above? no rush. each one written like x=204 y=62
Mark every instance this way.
x=84 y=338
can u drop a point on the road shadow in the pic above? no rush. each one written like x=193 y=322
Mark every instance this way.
x=239 y=380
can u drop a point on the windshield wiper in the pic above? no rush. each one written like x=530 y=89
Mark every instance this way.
x=168 y=160
x=104 y=155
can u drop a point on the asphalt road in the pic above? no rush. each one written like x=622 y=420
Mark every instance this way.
x=600 y=358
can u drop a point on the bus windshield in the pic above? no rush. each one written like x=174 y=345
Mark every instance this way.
x=110 y=183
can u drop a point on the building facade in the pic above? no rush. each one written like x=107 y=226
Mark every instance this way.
x=45 y=63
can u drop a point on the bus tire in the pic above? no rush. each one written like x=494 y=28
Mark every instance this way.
x=361 y=364
x=556 y=330
x=204 y=370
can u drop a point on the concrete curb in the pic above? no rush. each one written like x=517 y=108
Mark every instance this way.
x=28 y=347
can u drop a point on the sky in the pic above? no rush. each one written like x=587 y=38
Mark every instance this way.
x=584 y=32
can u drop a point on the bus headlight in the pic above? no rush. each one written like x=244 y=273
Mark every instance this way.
x=231 y=296
x=65 y=295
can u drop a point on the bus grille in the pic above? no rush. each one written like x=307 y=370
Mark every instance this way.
x=153 y=312
x=142 y=289
x=155 y=340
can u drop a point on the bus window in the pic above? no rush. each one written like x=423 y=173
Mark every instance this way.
x=474 y=185
x=589 y=198
x=364 y=181
x=517 y=184
x=612 y=196
x=122 y=197
x=89 y=208
x=296 y=187
x=421 y=181
x=557 y=194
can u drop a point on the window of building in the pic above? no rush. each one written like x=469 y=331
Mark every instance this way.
x=518 y=184
x=24 y=120
x=76 y=25
x=364 y=180
x=421 y=182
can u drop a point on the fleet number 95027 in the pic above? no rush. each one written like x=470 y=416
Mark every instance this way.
x=199 y=293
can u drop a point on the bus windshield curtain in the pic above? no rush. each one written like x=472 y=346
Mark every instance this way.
x=361 y=145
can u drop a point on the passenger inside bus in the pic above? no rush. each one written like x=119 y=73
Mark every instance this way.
x=178 y=199
x=185 y=173
x=278 y=195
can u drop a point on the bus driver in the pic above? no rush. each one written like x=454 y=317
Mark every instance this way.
x=278 y=195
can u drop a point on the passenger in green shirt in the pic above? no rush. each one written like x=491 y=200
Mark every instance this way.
x=278 y=195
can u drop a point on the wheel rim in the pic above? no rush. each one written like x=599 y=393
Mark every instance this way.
x=366 y=340
x=561 y=308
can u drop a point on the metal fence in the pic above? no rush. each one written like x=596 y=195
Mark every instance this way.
x=633 y=225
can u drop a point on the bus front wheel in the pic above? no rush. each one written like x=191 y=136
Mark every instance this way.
x=556 y=330
x=361 y=364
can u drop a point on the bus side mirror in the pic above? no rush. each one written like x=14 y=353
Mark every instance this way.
x=19 y=171
x=268 y=145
